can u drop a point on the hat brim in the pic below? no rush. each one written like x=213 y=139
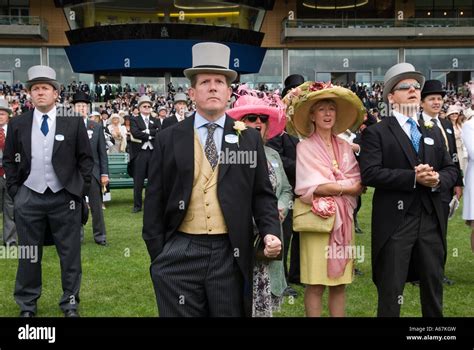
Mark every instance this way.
x=288 y=88
x=390 y=84
x=8 y=110
x=349 y=108
x=442 y=93
x=51 y=82
x=276 y=120
x=80 y=100
x=229 y=73
x=121 y=120
x=142 y=102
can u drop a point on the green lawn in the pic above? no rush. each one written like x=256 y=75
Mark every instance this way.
x=116 y=281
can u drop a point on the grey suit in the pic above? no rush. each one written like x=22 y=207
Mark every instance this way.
x=99 y=153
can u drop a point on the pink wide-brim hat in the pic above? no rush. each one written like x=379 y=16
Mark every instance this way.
x=248 y=104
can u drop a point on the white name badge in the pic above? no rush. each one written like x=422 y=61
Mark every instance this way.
x=230 y=138
x=429 y=141
x=59 y=137
x=89 y=133
x=449 y=131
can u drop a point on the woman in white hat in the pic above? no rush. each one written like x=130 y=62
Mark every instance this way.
x=118 y=132
x=328 y=179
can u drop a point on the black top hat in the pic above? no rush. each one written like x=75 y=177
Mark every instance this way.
x=291 y=82
x=80 y=96
x=432 y=87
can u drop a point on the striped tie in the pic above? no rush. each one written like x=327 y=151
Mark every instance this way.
x=415 y=134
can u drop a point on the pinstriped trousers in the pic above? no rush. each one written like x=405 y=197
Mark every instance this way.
x=197 y=276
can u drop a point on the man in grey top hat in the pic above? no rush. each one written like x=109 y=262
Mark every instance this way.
x=9 y=229
x=143 y=129
x=180 y=109
x=409 y=166
x=48 y=162
x=199 y=212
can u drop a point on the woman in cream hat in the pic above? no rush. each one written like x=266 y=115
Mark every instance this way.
x=328 y=179
x=454 y=115
x=118 y=132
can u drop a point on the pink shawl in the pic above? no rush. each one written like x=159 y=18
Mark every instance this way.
x=313 y=168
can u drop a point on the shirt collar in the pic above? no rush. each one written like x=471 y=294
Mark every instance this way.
x=428 y=118
x=402 y=119
x=39 y=115
x=200 y=121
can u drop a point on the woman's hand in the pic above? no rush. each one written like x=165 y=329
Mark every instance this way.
x=355 y=190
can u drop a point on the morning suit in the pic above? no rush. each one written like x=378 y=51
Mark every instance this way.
x=47 y=176
x=408 y=229
x=194 y=265
x=141 y=150
x=95 y=132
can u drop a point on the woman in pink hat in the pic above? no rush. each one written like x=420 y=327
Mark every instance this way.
x=266 y=113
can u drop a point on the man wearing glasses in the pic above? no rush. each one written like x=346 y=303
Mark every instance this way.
x=143 y=128
x=409 y=166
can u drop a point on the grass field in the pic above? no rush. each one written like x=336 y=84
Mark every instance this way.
x=116 y=282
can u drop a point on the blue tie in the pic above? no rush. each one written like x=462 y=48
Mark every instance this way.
x=44 y=125
x=415 y=134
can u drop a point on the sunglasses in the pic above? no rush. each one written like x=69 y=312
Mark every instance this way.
x=253 y=117
x=407 y=86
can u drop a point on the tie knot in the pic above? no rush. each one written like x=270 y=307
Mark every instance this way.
x=45 y=116
x=211 y=127
x=412 y=122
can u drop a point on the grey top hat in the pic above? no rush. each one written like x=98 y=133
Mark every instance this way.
x=42 y=75
x=180 y=97
x=211 y=58
x=144 y=99
x=397 y=73
x=162 y=108
x=4 y=106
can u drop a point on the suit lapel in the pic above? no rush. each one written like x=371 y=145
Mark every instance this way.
x=183 y=142
x=403 y=140
x=61 y=129
x=26 y=136
x=227 y=147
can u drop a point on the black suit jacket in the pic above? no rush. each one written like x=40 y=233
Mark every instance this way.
x=453 y=152
x=72 y=158
x=285 y=145
x=387 y=162
x=170 y=121
x=243 y=192
x=95 y=132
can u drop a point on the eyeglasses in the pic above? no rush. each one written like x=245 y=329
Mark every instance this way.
x=146 y=106
x=407 y=86
x=253 y=117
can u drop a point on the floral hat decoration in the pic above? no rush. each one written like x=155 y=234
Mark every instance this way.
x=258 y=102
x=350 y=110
